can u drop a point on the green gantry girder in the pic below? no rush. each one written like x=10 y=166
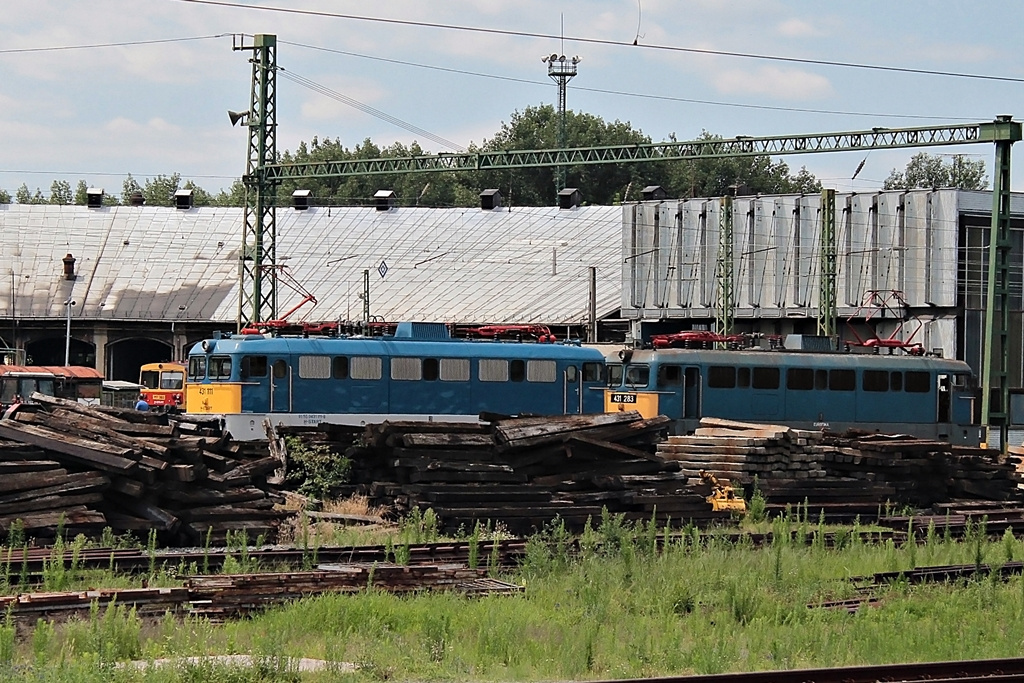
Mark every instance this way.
x=876 y=138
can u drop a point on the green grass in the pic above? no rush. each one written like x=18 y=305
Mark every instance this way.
x=620 y=610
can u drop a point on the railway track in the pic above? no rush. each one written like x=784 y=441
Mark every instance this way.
x=983 y=670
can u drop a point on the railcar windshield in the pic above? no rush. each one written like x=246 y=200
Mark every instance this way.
x=149 y=379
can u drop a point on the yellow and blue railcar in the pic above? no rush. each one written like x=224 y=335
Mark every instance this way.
x=927 y=397
x=419 y=373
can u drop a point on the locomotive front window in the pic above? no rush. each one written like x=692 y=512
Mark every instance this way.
x=172 y=379
x=454 y=369
x=962 y=380
x=766 y=378
x=197 y=367
x=339 y=367
x=842 y=380
x=541 y=371
x=220 y=367
x=722 y=377
x=614 y=375
x=918 y=382
x=876 y=380
x=638 y=375
x=592 y=372
x=800 y=379
x=254 y=366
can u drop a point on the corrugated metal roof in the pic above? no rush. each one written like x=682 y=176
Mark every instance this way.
x=452 y=265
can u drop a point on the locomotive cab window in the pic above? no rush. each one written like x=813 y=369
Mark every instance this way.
x=572 y=374
x=670 y=375
x=842 y=380
x=614 y=375
x=592 y=372
x=638 y=375
x=197 y=367
x=220 y=367
x=743 y=377
x=254 y=366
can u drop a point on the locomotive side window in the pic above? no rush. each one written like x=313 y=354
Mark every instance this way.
x=918 y=382
x=541 y=371
x=876 y=380
x=339 y=367
x=670 y=375
x=571 y=374
x=220 y=367
x=280 y=368
x=721 y=377
x=766 y=378
x=365 y=367
x=430 y=369
x=493 y=370
x=406 y=369
x=820 y=380
x=197 y=367
x=896 y=381
x=800 y=379
x=454 y=370
x=314 y=367
x=743 y=377
x=517 y=370
x=592 y=372
x=842 y=380
x=254 y=366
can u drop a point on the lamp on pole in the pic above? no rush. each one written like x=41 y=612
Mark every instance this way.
x=68 y=304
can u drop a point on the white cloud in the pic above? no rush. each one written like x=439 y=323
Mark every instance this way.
x=797 y=28
x=772 y=81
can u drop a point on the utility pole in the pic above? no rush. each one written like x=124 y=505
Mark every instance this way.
x=827 y=283
x=257 y=266
x=723 y=266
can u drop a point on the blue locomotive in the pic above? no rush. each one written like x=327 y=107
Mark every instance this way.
x=926 y=397
x=417 y=373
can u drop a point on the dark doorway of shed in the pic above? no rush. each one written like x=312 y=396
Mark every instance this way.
x=50 y=351
x=126 y=356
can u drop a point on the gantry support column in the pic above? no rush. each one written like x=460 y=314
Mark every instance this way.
x=723 y=267
x=827 y=284
x=257 y=297
x=995 y=347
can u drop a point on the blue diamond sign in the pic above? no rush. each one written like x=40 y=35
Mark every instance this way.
x=382 y=269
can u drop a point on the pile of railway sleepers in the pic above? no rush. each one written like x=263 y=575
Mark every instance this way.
x=82 y=468
x=523 y=472
x=844 y=471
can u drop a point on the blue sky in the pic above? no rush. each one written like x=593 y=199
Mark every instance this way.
x=99 y=113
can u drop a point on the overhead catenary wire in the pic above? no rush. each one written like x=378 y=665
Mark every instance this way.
x=604 y=41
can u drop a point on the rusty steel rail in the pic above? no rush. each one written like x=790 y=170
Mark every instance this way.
x=970 y=671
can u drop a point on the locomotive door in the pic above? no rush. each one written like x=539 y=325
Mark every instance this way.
x=573 y=391
x=280 y=385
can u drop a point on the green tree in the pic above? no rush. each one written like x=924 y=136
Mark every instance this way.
x=200 y=197
x=81 y=193
x=60 y=192
x=5 y=196
x=130 y=187
x=234 y=196
x=23 y=196
x=159 y=191
x=932 y=170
